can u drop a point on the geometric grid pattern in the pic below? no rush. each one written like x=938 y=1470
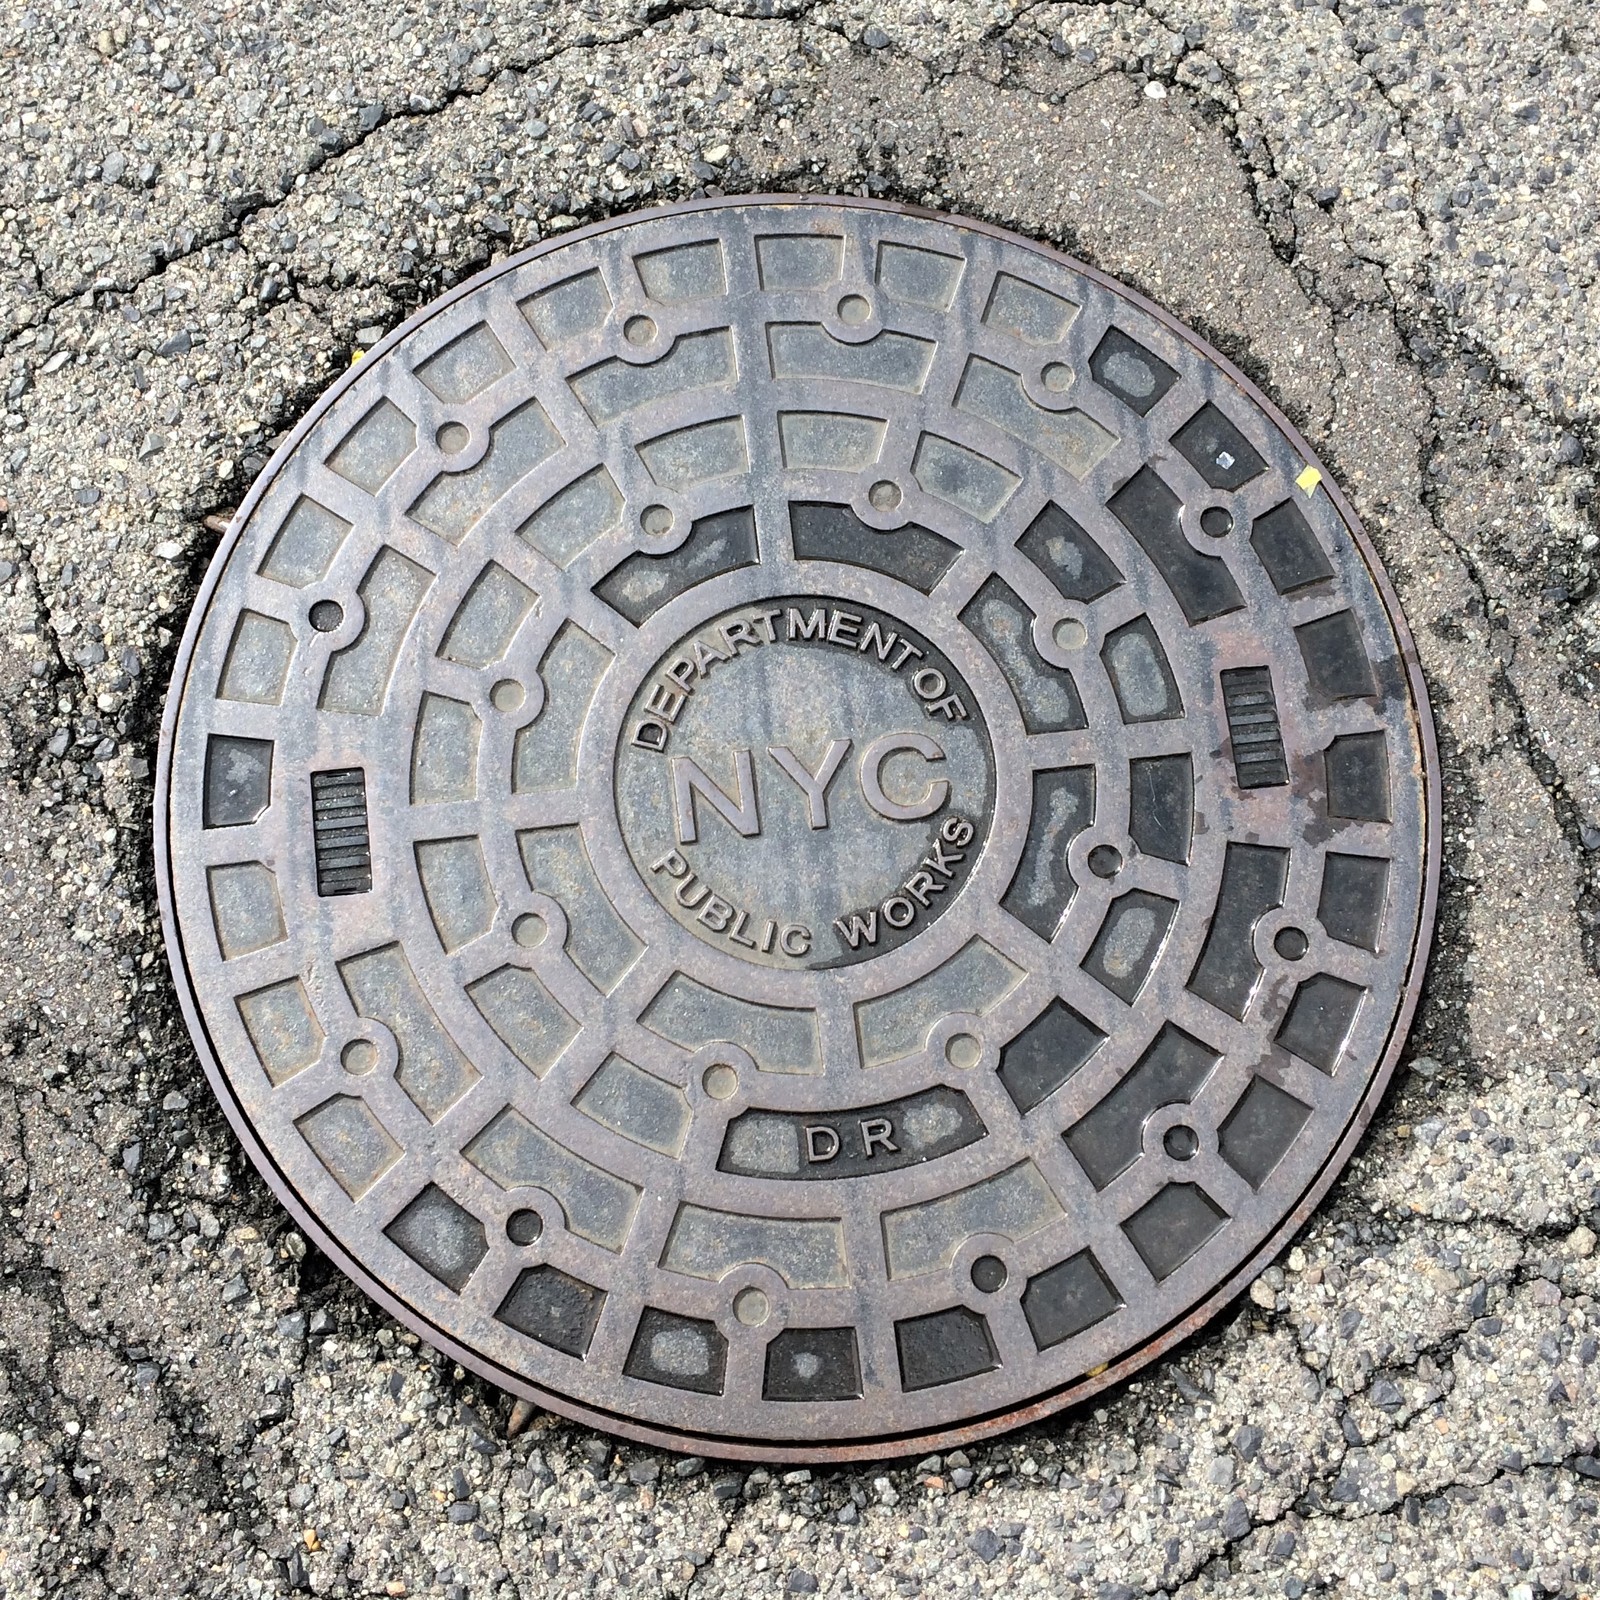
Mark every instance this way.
x=797 y=827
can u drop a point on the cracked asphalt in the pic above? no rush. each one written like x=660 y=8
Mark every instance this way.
x=1384 y=212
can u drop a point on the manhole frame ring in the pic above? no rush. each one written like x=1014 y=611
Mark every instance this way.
x=887 y=1446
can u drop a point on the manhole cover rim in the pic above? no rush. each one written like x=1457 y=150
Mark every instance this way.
x=911 y=1439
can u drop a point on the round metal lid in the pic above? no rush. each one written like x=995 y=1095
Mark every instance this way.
x=797 y=828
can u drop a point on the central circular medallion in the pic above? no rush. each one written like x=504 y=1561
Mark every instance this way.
x=796 y=828
x=805 y=782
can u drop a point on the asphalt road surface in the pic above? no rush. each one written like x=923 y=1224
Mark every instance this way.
x=1384 y=213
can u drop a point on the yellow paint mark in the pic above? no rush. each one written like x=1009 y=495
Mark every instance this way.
x=1308 y=480
x=1094 y=1372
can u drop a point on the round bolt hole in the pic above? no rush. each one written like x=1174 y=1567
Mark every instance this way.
x=1216 y=521
x=656 y=521
x=523 y=1227
x=529 y=930
x=963 y=1050
x=721 y=1082
x=1105 y=861
x=453 y=438
x=326 y=615
x=1070 y=634
x=854 y=310
x=360 y=1055
x=751 y=1307
x=507 y=695
x=1291 y=944
x=1057 y=377
x=638 y=330
x=1180 y=1142
x=988 y=1274
x=884 y=495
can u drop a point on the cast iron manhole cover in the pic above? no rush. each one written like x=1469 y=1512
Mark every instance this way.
x=797 y=828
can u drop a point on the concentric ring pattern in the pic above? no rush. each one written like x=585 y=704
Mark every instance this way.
x=796 y=827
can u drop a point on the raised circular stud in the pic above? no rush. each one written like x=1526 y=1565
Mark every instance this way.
x=751 y=1307
x=524 y=1226
x=1180 y=1142
x=988 y=1274
x=720 y=1081
x=963 y=1051
x=359 y=1057
x=1105 y=861
x=507 y=695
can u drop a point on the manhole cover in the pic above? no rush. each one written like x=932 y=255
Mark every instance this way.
x=797 y=828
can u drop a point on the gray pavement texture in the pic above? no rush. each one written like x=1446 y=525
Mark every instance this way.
x=1384 y=212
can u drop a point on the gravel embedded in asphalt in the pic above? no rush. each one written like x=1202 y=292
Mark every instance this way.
x=1384 y=213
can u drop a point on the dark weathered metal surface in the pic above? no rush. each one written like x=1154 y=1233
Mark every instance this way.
x=797 y=827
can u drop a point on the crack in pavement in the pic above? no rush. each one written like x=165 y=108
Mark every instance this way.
x=1131 y=1419
x=243 y=214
